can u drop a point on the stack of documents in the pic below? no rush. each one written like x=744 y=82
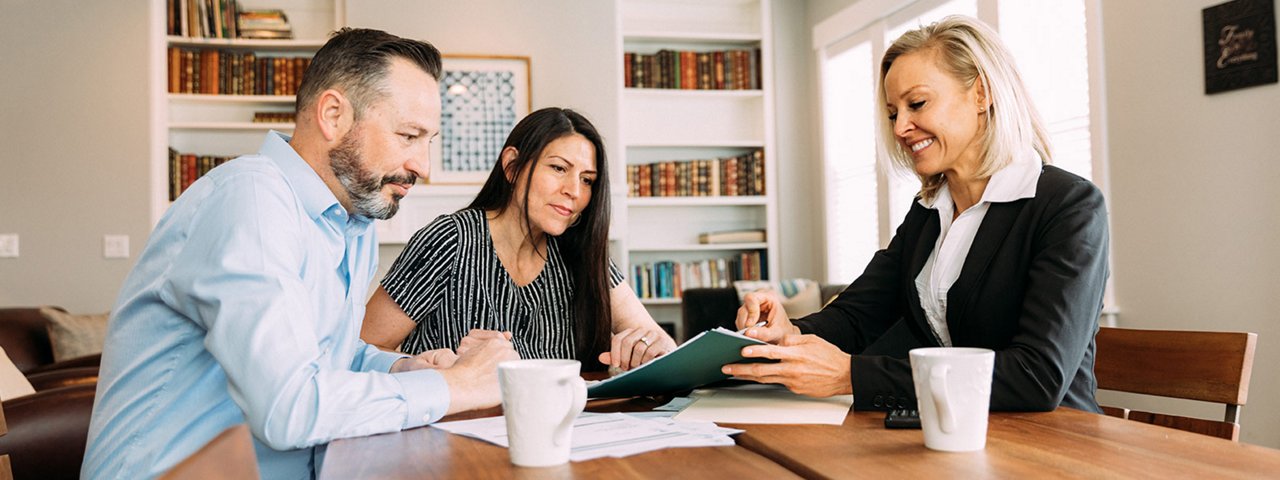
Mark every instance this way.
x=597 y=435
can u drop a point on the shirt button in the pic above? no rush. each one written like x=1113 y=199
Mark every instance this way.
x=426 y=418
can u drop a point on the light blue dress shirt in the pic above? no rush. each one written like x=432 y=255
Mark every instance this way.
x=245 y=306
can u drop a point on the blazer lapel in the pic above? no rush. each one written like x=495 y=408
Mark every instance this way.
x=923 y=248
x=990 y=237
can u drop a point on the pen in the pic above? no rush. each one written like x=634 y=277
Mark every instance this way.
x=758 y=324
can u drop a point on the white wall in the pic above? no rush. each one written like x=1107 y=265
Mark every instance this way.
x=1194 y=201
x=73 y=147
x=798 y=168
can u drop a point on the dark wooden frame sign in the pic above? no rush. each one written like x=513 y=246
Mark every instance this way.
x=1239 y=45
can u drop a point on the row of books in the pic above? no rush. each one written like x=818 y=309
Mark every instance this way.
x=211 y=71
x=740 y=175
x=688 y=70
x=667 y=279
x=185 y=168
x=224 y=19
x=273 y=117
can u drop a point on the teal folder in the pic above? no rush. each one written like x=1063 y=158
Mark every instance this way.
x=695 y=363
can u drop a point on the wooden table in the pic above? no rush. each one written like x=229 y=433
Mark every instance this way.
x=433 y=453
x=1063 y=443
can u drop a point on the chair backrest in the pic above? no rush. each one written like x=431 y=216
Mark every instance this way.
x=228 y=456
x=25 y=337
x=707 y=308
x=1205 y=366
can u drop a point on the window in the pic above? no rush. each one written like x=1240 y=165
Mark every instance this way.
x=865 y=199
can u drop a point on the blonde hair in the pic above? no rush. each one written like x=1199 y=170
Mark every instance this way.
x=970 y=51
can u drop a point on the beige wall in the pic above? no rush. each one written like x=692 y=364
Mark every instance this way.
x=797 y=142
x=73 y=147
x=1194 y=201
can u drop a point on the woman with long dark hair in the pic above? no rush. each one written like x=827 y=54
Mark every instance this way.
x=528 y=256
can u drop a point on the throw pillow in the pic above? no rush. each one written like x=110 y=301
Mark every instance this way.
x=75 y=336
x=799 y=297
x=13 y=383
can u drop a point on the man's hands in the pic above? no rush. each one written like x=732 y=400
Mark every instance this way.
x=633 y=347
x=438 y=358
x=473 y=378
x=767 y=307
x=807 y=365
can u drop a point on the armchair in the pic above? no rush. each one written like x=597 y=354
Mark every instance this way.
x=48 y=430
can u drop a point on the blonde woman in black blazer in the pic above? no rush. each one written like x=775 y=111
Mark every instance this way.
x=1030 y=284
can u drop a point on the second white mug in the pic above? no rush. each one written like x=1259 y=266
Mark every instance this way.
x=953 y=388
x=540 y=400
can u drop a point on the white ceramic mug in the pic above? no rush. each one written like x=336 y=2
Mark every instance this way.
x=953 y=388
x=541 y=399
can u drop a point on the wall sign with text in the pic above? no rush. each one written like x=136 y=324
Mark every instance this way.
x=1239 y=45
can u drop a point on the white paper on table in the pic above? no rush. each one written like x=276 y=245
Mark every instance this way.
x=759 y=404
x=608 y=435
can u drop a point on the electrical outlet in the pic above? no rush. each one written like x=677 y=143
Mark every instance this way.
x=115 y=246
x=9 y=245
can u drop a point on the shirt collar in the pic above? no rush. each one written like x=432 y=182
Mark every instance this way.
x=315 y=196
x=1013 y=182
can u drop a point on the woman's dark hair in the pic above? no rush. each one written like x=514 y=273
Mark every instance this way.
x=584 y=245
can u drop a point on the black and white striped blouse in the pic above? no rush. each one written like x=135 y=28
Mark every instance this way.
x=449 y=280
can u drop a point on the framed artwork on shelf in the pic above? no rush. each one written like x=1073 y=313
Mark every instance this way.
x=482 y=97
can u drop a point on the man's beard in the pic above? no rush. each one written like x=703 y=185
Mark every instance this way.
x=364 y=189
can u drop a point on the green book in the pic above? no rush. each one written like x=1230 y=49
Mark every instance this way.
x=695 y=363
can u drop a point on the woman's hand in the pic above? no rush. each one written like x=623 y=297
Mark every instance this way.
x=807 y=365
x=633 y=347
x=477 y=337
x=438 y=358
x=766 y=307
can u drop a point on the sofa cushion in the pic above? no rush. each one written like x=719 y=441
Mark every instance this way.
x=74 y=336
x=13 y=383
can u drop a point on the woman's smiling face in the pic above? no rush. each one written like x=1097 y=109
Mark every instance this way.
x=934 y=116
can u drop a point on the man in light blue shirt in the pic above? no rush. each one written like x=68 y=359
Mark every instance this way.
x=245 y=305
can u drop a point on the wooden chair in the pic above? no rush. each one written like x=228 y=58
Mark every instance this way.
x=1205 y=366
x=228 y=456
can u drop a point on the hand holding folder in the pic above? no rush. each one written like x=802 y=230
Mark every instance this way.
x=695 y=363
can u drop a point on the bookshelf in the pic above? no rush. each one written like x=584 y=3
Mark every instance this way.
x=222 y=124
x=674 y=125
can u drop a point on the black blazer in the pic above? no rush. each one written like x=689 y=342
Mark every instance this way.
x=1030 y=289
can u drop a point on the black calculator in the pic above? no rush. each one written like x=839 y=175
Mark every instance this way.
x=902 y=418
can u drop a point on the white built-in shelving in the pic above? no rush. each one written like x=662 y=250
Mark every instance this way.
x=222 y=125
x=669 y=124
